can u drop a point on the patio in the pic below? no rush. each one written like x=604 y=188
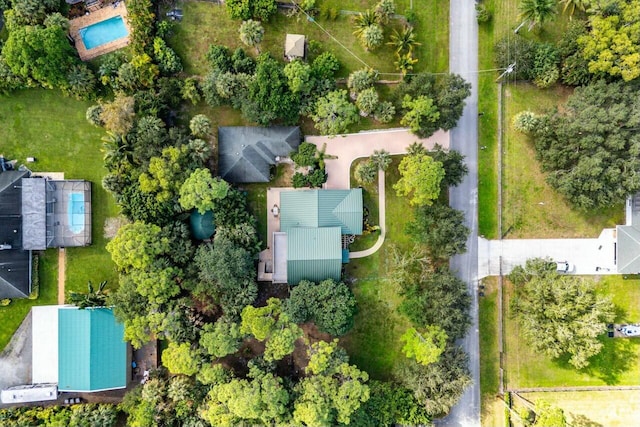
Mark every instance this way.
x=106 y=12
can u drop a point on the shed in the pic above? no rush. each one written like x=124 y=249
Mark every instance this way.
x=246 y=153
x=294 y=46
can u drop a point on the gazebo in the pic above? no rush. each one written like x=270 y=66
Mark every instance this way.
x=294 y=47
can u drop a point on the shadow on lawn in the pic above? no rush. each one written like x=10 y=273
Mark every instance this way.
x=579 y=420
x=618 y=356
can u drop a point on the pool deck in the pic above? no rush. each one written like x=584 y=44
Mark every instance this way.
x=94 y=17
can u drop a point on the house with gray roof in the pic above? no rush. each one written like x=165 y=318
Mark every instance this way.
x=628 y=239
x=246 y=154
x=313 y=238
x=37 y=213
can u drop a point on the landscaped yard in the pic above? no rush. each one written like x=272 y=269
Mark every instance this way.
x=617 y=364
x=207 y=23
x=530 y=207
x=370 y=202
x=374 y=342
x=52 y=128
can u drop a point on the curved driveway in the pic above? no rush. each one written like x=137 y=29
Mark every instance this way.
x=346 y=148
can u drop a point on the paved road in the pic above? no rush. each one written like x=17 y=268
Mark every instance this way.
x=588 y=256
x=463 y=60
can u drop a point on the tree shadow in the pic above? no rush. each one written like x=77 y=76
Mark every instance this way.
x=618 y=356
x=579 y=420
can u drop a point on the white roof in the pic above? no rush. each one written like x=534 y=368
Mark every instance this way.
x=29 y=393
x=631 y=330
x=279 y=257
x=44 y=327
x=294 y=46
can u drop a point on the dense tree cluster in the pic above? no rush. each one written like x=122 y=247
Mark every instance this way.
x=590 y=151
x=105 y=415
x=559 y=315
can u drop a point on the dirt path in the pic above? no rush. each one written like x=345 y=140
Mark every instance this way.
x=62 y=263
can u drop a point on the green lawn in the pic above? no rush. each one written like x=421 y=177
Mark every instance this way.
x=52 y=128
x=491 y=406
x=617 y=364
x=374 y=342
x=11 y=316
x=207 y=23
x=531 y=208
x=521 y=208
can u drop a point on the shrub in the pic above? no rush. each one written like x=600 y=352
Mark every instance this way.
x=5 y=302
x=35 y=278
x=510 y=48
x=525 y=121
x=299 y=180
x=482 y=13
x=365 y=172
x=367 y=101
x=545 y=70
x=93 y=115
x=385 y=112
x=362 y=79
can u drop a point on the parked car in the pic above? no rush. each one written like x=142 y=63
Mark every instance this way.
x=175 y=14
x=564 y=267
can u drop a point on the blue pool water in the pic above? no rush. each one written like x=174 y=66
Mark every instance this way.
x=76 y=212
x=103 y=32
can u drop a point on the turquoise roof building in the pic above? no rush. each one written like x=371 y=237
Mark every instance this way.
x=322 y=208
x=92 y=353
x=312 y=223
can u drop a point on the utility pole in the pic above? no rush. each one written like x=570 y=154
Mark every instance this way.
x=508 y=70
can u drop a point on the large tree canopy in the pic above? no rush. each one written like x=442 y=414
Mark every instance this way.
x=328 y=304
x=591 y=151
x=420 y=178
x=559 y=315
x=612 y=43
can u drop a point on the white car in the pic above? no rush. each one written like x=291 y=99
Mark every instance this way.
x=631 y=330
x=564 y=267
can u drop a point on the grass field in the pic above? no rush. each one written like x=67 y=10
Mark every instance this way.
x=532 y=209
x=207 y=23
x=11 y=316
x=617 y=364
x=491 y=407
x=504 y=21
x=52 y=128
x=615 y=408
x=374 y=342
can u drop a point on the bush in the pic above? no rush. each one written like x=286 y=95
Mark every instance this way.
x=482 y=13
x=35 y=278
x=93 y=115
x=367 y=101
x=361 y=79
x=545 y=70
x=525 y=121
x=299 y=180
x=365 y=172
x=385 y=112
x=509 y=49
x=5 y=302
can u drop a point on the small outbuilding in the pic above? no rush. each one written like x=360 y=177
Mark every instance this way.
x=294 y=46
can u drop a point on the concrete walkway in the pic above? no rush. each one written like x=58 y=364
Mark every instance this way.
x=62 y=274
x=349 y=147
x=382 y=209
x=15 y=359
x=352 y=146
x=585 y=254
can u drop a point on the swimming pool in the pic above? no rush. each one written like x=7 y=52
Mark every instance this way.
x=103 y=32
x=76 y=212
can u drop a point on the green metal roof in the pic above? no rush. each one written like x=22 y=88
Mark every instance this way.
x=314 y=254
x=92 y=353
x=628 y=248
x=202 y=226
x=322 y=208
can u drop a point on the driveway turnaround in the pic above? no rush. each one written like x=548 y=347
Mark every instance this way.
x=352 y=146
x=587 y=256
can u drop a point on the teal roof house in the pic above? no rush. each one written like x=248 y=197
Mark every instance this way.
x=310 y=244
x=80 y=350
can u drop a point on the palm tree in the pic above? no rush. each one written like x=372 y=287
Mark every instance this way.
x=537 y=11
x=404 y=63
x=572 y=5
x=403 y=41
x=381 y=158
x=321 y=155
x=93 y=298
x=364 y=20
x=251 y=33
